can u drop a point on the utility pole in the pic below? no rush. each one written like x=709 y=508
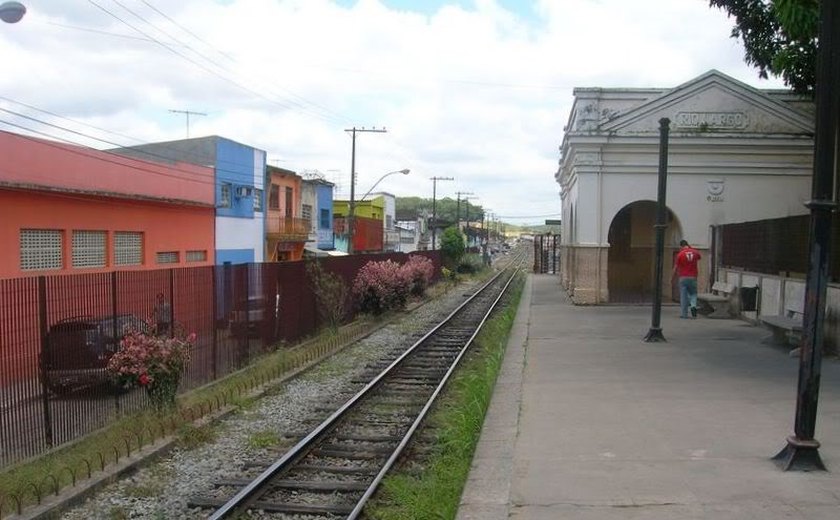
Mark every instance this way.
x=468 y=199
x=187 y=113
x=458 y=207
x=352 y=210
x=434 y=205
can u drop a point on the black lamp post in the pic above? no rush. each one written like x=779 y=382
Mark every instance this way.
x=654 y=335
x=801 y=452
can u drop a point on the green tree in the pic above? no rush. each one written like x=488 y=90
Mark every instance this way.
x=779 y=37
x=452 y=246
x=445 y=208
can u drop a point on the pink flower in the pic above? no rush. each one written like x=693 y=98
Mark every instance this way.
x=143 y=379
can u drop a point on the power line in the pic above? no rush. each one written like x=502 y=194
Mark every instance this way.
x=194 y=62
x=81 y=151
x=154 y=156
x=213 y=62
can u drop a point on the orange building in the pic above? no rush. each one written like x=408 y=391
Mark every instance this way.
x=68 y=209
x=286 y=229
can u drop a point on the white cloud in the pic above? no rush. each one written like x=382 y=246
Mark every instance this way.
x=480 y=94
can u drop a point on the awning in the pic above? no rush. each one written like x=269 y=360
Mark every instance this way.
x=321 y=253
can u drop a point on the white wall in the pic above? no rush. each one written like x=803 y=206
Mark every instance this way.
x=241 y=233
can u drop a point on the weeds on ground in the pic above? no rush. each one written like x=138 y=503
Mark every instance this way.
x=264 y=439
x=431 y=489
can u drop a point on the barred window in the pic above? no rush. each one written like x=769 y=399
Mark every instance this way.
x=167 y=257
x=128 y=248
x=40 y=249
x=88 y=248
x=274 y=197
x=258 y=199
x=307 y=211
x=325 y=219
x=224 y=197
x=197 y=256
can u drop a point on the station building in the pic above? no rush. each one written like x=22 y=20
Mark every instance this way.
x=735 y=154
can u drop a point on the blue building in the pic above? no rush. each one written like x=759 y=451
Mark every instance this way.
x=239 y=185
x=317 y=205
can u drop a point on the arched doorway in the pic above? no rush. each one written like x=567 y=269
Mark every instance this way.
x=630 y=261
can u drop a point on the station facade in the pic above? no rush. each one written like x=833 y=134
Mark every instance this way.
x=735 y=154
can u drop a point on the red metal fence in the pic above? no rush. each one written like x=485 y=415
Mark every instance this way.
x=237 y=312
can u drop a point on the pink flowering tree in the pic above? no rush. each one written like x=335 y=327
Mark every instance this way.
x=380 y=287
x=154 y=362
x=419 y=271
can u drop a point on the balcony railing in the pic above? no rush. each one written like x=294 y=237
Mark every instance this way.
x=291 y=227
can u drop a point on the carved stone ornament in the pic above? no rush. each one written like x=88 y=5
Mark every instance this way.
x=715 y=188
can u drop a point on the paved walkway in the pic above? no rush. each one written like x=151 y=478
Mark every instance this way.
x=588 y=421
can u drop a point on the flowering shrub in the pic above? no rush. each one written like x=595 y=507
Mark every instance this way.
x=380 y=287
x=152 y=361
x=419 y=271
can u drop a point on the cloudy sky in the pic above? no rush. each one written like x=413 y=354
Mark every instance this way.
x=478 y=90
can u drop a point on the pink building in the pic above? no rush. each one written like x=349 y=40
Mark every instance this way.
x=67 y=209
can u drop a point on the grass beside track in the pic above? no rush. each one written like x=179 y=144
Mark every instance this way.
x=430 y=488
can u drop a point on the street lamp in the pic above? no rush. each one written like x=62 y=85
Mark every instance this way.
x=12 y=12
x=405 y=171
x=351 y=214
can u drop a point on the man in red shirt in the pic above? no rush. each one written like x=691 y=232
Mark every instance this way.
x=685 y=267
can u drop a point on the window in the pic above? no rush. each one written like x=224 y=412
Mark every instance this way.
x=289 y=201
x=258 y=199
x=128 y=248
x=389 y=222
x=224 y=197
x=167 y=257
x=325 y=219
x=306 y=211
x=40 y=249
x=197 y=256
x=274 y=197
x=89 y=248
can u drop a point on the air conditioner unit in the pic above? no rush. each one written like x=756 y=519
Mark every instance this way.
x=244 y=191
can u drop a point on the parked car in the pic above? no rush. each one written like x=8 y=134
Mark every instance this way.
x=247 y=316
x=77 y=350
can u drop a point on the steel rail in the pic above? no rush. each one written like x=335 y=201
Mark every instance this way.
x=431 y=401
x=302 y=447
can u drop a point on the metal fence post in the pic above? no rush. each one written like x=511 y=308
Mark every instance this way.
x=172 y=303
x=42 y=322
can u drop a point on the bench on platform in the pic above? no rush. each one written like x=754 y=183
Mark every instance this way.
x=786 y=328
x=717 y=304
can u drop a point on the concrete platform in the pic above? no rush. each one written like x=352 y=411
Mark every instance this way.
x=588 y=421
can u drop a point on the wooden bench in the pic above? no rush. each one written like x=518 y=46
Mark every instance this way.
x=786 y=328
x=718 y=302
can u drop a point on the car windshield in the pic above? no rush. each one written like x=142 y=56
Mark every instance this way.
x=124 y=324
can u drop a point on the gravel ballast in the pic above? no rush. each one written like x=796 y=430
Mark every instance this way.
x=162 y=489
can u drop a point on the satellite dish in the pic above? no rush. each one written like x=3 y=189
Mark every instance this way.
x=12 y=12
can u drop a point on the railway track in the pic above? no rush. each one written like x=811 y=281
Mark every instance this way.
x=333 y=470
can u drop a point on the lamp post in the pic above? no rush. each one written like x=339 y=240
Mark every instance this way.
x=434 y=205
x=12 y=12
